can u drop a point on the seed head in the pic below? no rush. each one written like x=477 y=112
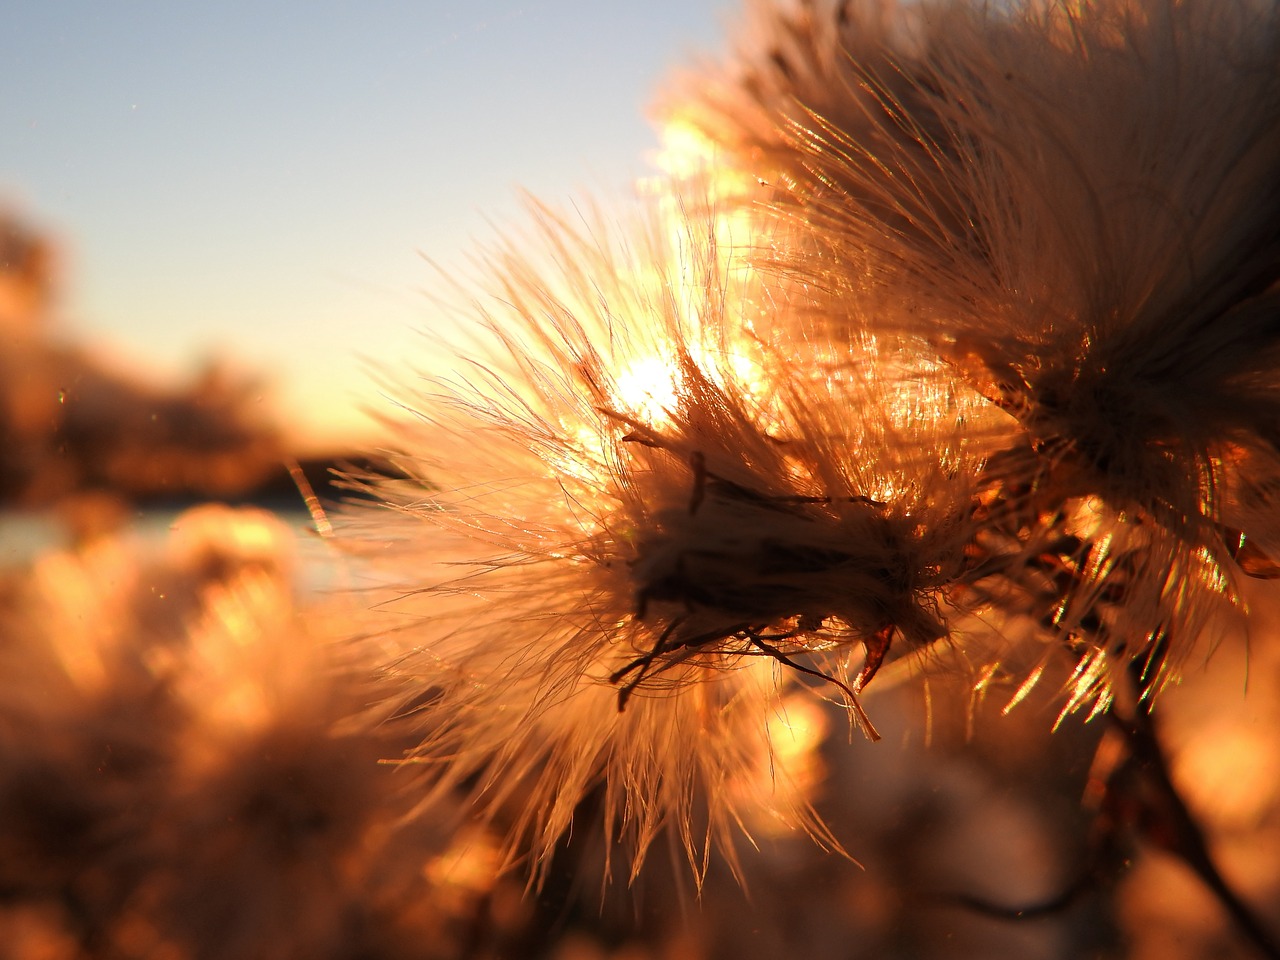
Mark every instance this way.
x=1076 y=206
x=630 y=517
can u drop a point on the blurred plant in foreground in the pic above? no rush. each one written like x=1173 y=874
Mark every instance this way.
x=187 y=768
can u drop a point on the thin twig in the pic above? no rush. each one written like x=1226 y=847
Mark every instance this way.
x=1186 y=838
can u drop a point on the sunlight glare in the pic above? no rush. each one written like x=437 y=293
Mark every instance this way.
x=647 y=389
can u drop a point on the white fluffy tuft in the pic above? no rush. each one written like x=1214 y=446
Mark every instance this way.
x=633 y=514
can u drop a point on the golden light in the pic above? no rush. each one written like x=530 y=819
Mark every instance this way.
x=796 y=731
x=245 y=652
x=647 y=389
x=1229 y=770
x=707 y=190
x=84 y=597
x=790 y=761
x=469 y=865
x=686 y=151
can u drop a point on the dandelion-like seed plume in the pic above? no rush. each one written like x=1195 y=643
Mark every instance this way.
x=635 y=522
x=1075 y=206
x=974 y=311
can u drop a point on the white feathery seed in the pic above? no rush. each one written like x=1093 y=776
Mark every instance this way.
x=632 y=518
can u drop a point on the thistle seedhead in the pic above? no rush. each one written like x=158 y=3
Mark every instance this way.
x=630 y=515
x=1076 y=206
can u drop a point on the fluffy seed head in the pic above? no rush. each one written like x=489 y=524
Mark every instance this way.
x=629 y=515
x=1076 y=206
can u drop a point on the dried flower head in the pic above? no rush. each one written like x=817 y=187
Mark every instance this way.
x=630 y=515
x=1076 y=206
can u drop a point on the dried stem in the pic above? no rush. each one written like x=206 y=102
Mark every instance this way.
x=1181 y=833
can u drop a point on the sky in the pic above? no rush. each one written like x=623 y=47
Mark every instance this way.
x=269 y=183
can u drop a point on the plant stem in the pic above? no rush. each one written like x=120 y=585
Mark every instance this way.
x=1185 y=837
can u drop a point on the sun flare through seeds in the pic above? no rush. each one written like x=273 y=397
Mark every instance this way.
x=634 y=522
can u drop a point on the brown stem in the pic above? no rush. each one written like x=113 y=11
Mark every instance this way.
x=1185 y=838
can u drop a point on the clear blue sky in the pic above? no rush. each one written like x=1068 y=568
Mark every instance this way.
x=262 y=179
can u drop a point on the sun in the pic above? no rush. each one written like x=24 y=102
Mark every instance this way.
x=647 y=390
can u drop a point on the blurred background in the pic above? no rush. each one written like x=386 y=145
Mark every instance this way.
x=257 y=187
